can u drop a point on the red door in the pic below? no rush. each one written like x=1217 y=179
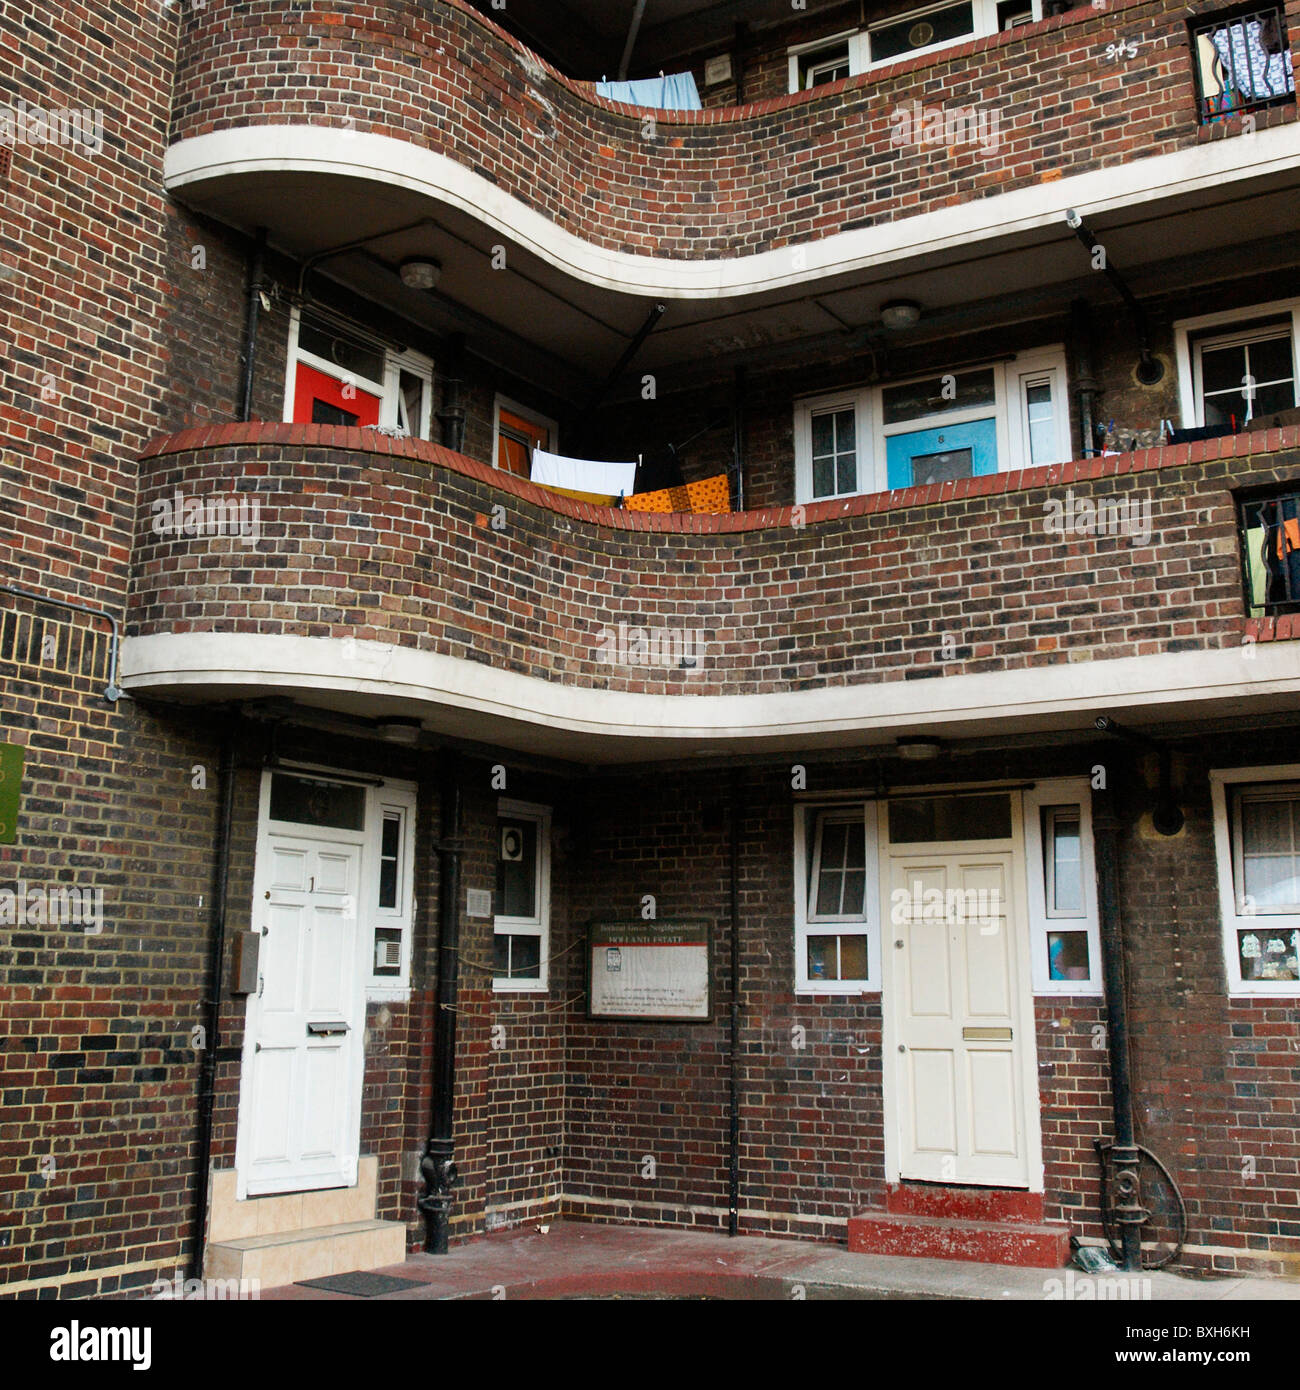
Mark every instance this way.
x=321 y=399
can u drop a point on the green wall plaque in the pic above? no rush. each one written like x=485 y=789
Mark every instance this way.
x=11 y=782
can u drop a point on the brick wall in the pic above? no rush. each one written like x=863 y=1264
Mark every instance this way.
x=790 y=169
x=404 y=551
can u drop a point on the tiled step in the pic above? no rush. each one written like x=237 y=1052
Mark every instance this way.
x=232 y=1219
x=285 y=1257
x=964 y=1203
x=1030 y=1245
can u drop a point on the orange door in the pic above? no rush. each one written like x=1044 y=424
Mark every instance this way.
x=516 y=440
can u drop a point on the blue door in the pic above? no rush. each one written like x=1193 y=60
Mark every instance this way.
x=967 y=450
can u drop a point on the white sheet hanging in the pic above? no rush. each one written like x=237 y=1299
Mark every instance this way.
x=583 y=475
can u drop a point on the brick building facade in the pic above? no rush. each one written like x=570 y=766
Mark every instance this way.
x=990 y=486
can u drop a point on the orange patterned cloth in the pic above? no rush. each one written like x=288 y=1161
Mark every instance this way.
x=707 y=497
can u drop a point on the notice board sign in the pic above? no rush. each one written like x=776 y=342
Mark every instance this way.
x=11 y=781
x=654 y=971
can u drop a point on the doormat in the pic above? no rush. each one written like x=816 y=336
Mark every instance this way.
x=361 y=1284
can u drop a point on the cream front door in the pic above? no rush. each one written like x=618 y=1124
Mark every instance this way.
x=299 y=1123
x=959 y=1006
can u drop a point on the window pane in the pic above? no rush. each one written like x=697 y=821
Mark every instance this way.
x=855 y=892
x=929 y=397
x=926 y=820
x=846 y=475
x=307 y=802
x=1270 y=855
x=1270 y=360
x=1067 y=955
x=824 y=477
x=825 y=65
x=501 y=954
x=517 y=869
x=823 y=434
x=853 y=958
x=1223 y=368
x=1266 y=955
x=1065 y=847
x=525 y=958
x=830 y=883
x=921 y=31
x=388 y=883
x=351 y=354
x=1041 y=416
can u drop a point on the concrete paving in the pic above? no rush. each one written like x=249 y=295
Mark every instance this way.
x=580 y=1260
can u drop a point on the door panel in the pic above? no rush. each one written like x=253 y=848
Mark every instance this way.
x=299 y=1129
x=962 y=1008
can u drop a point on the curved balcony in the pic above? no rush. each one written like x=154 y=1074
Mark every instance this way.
x=388 y=577
x=334 y=124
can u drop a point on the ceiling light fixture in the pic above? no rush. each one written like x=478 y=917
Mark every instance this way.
x=420 y=273
x=919 y=750
x=900 y=313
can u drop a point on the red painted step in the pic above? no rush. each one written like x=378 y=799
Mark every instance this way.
x=964 y=1203
x=992 y=1225
x=1029 y=1245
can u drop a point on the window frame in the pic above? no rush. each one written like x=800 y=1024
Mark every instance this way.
x=1190 y=402
x=539 y=925
x=1043 y=921
x=1010 y=411
x=400 y=797
x=798 y=53
x=808 y=816
x=1226 y=785
x=388 y=390
x=500 y=403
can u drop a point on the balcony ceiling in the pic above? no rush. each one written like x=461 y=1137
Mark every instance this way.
x=565 y=334
x=587 y=38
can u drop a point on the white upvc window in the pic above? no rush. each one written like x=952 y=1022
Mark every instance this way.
x=340 y=374
x=1257 y=849
x=942 y=426
x=1242 y=364
x=823 y=60
x=932 y=27
x=522 y=901
x=1065 y=938
x=836 y=909
x=392 y=887
x=926 y=29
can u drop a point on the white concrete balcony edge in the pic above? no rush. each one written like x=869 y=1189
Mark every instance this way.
x=468 y=700
x=386 y=160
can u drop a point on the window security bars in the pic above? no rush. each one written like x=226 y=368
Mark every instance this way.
x=1243 y=63
x=1270 y=547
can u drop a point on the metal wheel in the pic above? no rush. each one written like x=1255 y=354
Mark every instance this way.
x=1165 y=1227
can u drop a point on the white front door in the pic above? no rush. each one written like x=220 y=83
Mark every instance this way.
x=299 y=1124
x=959 y=1040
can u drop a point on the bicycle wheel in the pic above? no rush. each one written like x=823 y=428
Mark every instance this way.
x=1165 y=1226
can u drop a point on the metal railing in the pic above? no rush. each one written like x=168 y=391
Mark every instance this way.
x=1270 y=551
x=1243 y=63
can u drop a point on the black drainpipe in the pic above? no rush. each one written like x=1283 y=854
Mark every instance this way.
x=452 y=415
x=738 y=441
x=256 y=268
x=216 y=967
x=438 y=1167
x=1084 y=381
x=733 y=1165
x=1124 y=1155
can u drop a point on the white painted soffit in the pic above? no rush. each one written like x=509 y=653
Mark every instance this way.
x=315 y=669
x=366 y=157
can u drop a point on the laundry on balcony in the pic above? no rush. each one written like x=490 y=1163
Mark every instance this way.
x=1243 y=64
x=676 y=92
x=707 y=497
x=603 y=484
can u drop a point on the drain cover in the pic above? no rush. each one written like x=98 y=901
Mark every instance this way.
x=361 y=1284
